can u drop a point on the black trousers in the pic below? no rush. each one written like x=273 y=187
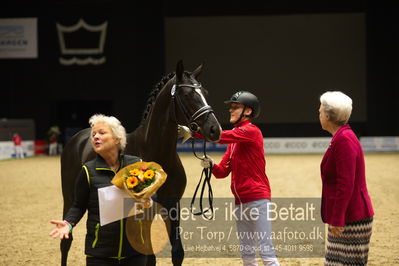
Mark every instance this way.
x=132 y=261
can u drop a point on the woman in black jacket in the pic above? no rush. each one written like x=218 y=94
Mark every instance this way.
x=108 y=244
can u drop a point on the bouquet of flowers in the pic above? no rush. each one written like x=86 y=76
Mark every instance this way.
x=140 y=180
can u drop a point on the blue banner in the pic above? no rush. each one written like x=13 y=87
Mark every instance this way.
x=199 y=146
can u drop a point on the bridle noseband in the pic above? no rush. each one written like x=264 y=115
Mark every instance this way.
x=191 y=120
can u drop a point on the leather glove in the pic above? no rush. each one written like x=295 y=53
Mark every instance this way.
x=206 y=162
x=184 y=132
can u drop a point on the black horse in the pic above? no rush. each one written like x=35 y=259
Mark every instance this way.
x=177 y=99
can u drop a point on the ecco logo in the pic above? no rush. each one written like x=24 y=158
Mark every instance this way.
x=272 y=145
x=296 y=145
x=320 y=144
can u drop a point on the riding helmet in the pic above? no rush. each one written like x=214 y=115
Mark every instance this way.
x=247 y=99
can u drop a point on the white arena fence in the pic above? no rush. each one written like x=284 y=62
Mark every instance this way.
x=271 y=145
x=7 y=149
x=300 y=145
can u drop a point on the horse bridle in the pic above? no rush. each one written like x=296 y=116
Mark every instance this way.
x=191 y=120
x=206 y=172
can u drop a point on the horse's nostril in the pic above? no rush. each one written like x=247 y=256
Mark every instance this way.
x=214 y=132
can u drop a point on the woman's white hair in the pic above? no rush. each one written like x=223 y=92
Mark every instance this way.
x=117 y=129
x=337 y=106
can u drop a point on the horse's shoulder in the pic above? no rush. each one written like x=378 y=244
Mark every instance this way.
x=80 y=136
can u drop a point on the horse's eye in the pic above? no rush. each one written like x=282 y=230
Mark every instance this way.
x=187 y=92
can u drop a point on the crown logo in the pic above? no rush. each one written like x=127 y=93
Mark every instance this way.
x=82 y=44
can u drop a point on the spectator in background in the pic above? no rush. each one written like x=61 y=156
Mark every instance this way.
x=19 y=151
x=52 y=148
x=53 y=134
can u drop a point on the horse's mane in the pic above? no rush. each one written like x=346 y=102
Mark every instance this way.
x=154 y=93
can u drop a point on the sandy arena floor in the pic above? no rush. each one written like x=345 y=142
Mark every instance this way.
x=30 y=195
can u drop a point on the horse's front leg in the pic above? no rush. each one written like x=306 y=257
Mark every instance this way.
x=174 y=238
x=177 y=252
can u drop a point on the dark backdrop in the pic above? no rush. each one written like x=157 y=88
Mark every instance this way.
x=288 y=61
x=54 y=94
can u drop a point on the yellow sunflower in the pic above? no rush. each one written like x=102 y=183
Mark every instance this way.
x=135 y=172
x=132 y=181
x=149 y=174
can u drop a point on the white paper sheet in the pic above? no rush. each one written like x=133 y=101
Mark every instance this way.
x=115 y=204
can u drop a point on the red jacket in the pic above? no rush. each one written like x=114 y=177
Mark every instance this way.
x=245 y=159
x=17 y=140
x=344 y=195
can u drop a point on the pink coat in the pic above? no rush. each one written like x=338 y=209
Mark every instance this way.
x=344 y=195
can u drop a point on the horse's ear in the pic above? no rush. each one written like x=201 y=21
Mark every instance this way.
x=198 y=71
x=179 y=70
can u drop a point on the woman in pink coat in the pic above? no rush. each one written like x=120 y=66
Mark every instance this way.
x=345 y=204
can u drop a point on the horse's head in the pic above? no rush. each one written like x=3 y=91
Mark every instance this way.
x=191 y=107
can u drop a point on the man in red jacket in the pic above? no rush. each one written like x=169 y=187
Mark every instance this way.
x=245 y=160
x=19 y=151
